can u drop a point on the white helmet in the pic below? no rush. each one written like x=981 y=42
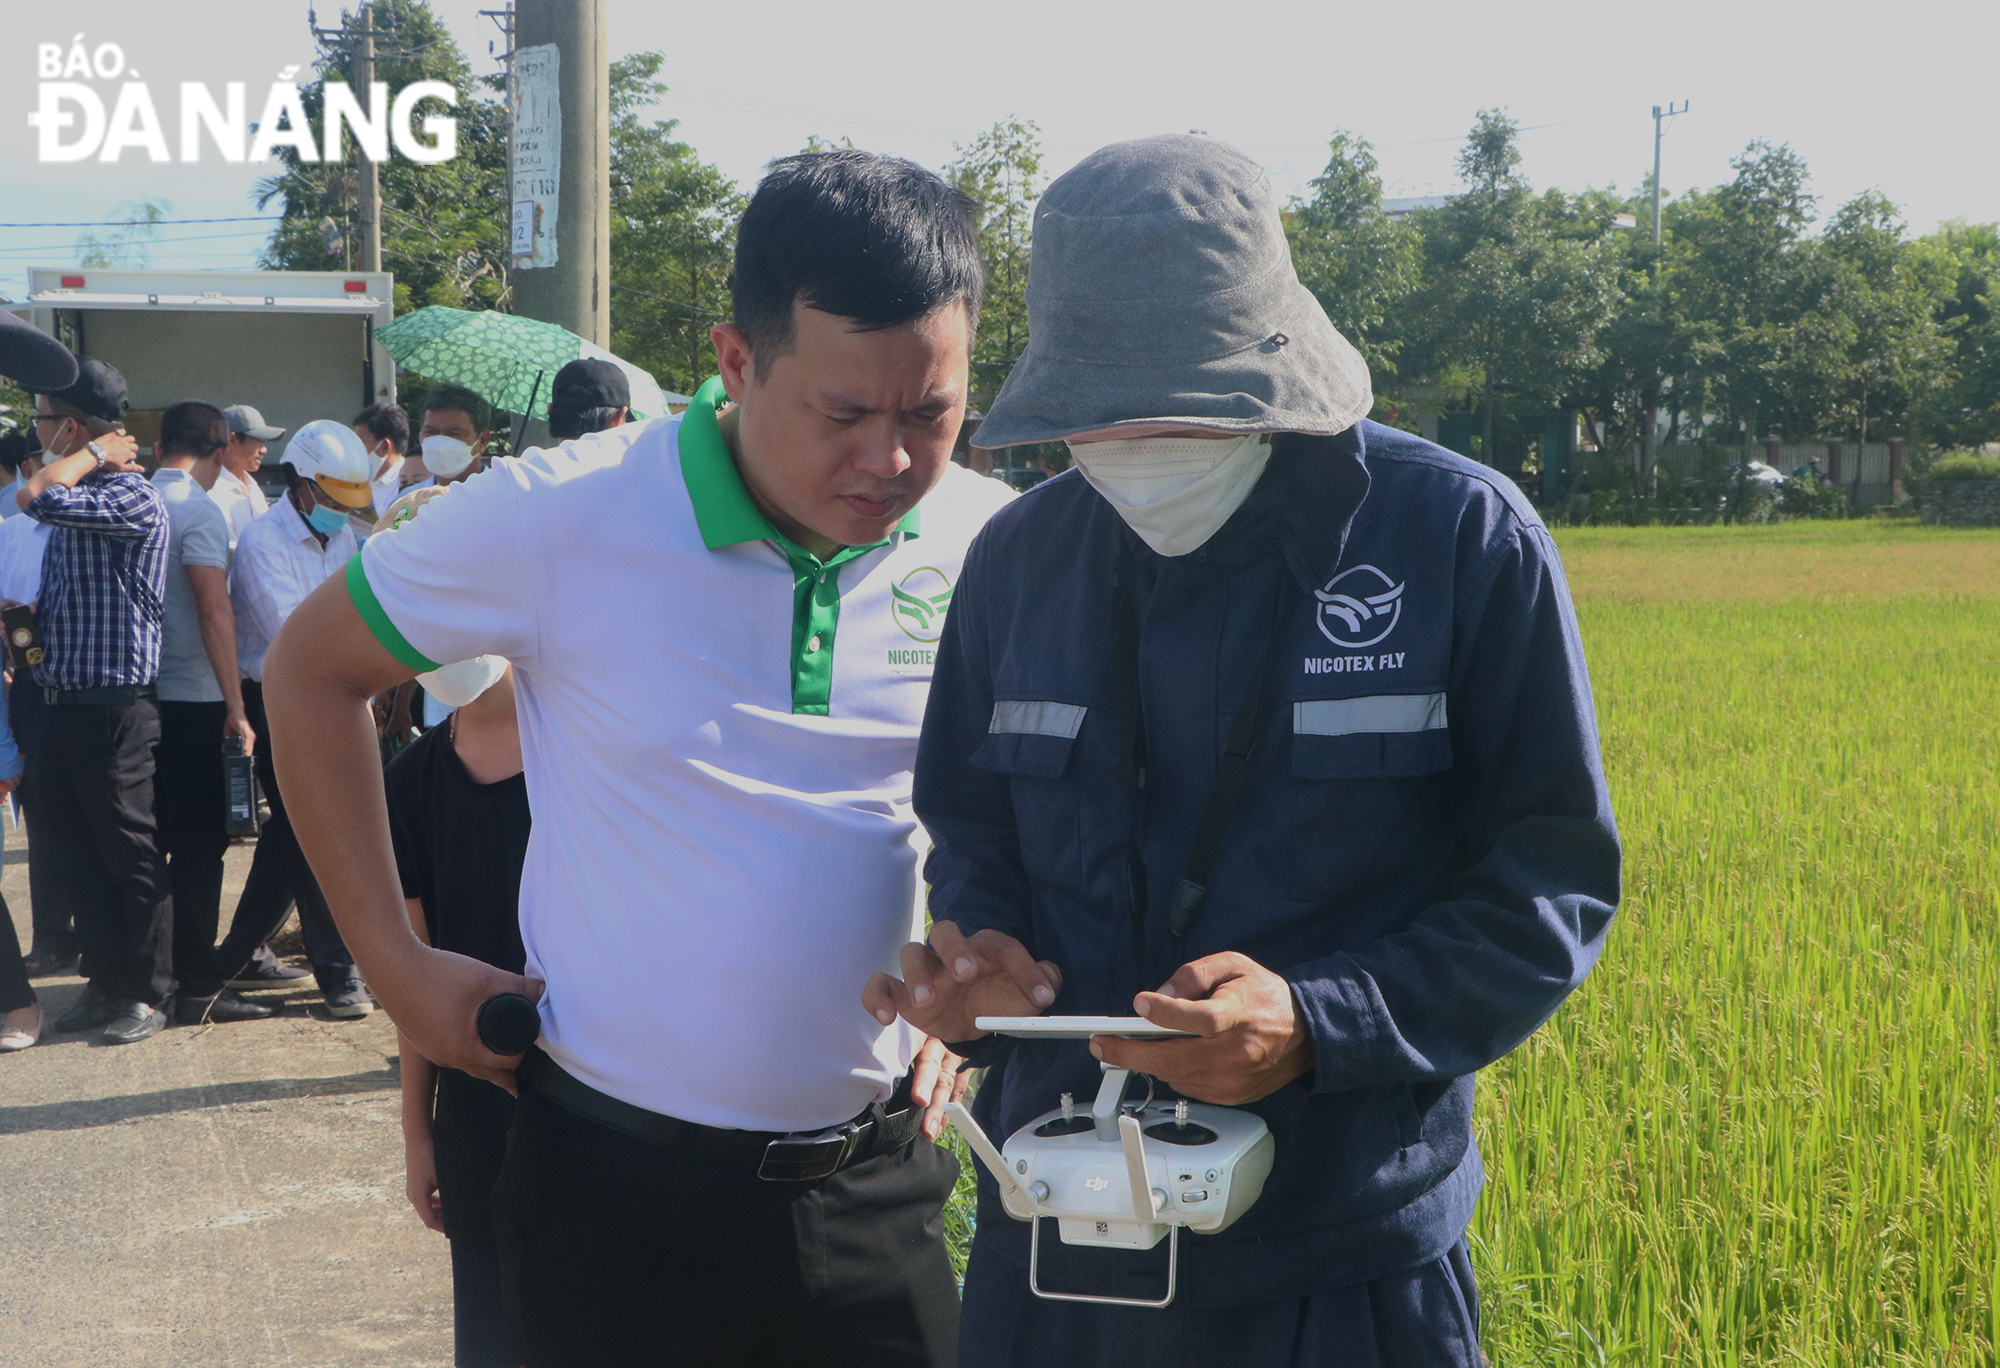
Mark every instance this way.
x=329 y=454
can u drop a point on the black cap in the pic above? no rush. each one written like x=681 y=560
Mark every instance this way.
x=98 y=390
x=589 y=383
x=32 y=358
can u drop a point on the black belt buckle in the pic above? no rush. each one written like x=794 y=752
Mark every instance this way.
x=802 y=1159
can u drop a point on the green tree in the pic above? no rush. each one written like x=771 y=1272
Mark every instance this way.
x=1965 y=411
x=673 y=235
x=1890 y=292
x=1002 y=170
x=1490 y=161
x=1357 y=261
x=1517 y=289
x=444 y=225
x=1737 y=258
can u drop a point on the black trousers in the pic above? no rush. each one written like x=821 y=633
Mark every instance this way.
x=95 y=838
x=193 y=812
x=15 y=990
x=279 y=876
x=615 y=1253
x=54 y=924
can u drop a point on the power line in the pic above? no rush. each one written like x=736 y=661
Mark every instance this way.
x=128 y=223
x=163 y=242
x=1419 y=142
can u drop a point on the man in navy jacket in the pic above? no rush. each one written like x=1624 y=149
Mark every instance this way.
x=1406 y=865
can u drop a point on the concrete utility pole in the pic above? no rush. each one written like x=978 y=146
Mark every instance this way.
x=371 y=183
x=1659 y=131
x=574 y=290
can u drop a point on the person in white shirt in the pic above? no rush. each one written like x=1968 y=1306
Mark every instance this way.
x=457 y=426
x=20 y=457
x=282 y=557
x=721 y=628
x=200 y=700
x=235 y=493
x=384 y=430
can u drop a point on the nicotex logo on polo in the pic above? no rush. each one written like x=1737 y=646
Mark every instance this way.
x=1357 y=609
x=74 y=122
x=918 y=603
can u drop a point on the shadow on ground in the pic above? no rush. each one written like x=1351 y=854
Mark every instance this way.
x=109 y=1111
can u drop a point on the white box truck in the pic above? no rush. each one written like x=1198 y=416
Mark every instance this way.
x=296 y=345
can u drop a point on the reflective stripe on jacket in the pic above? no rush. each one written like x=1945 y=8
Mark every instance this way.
x=1425 y=848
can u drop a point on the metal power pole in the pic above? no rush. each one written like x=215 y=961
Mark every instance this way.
x=1659 y=131
x=574 y=289
x=371 y=184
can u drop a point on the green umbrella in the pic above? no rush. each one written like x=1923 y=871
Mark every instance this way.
x=507 y=360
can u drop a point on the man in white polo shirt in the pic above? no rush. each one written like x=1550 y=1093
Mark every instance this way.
x=236 y=494
x=722 y=630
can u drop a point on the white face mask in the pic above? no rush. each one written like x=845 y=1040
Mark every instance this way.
x=1175 y=492
x=458 y=684
x=445 y=456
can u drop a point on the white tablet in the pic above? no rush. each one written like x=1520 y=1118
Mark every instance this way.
x=1077 y=1027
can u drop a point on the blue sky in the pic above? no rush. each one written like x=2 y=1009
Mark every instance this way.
x=1880 y=98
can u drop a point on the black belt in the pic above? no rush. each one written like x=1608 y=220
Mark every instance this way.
x=798 y=1157
x=112 y=695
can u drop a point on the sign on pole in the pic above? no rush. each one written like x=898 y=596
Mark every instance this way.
x=535 y=154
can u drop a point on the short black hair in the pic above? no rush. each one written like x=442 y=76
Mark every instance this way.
x=565 y=423
x=13 y=451
x=192 y=428
x=90 y=422
x=873 y=239
x=451 y=396
x=385 y=421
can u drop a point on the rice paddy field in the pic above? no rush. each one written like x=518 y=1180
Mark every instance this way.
x=1767 y=1129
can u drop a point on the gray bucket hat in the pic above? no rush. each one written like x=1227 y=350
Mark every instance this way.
x=1161 y=290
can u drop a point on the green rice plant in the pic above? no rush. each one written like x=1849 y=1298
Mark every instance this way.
x=1764 y=1132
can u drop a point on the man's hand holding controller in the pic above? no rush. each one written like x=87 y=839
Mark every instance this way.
x=1249 y=1037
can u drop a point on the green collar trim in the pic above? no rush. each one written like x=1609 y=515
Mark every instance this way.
x=723 y=508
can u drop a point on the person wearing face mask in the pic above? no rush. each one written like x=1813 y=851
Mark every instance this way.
x=385 y=430
x=305 y=539
x=453 y=438
x=1267 y=723
x=453 y=442
x=99 y=610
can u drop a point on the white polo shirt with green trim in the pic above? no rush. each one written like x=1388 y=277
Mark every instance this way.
x=719 y=732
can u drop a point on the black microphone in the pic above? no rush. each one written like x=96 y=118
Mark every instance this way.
x=508 y=1024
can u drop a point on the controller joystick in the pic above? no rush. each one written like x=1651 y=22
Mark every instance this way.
x=1069 y=1123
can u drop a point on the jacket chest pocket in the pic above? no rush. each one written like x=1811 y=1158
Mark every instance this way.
x=1362 y=783
x=1032 y=741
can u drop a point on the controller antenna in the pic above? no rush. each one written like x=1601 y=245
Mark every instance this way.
x=1181 y=1113
x=1069 y=1106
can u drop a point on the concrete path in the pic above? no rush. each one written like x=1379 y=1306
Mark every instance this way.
x=216 y=1195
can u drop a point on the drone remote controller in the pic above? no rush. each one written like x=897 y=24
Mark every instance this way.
x=1126 y=1175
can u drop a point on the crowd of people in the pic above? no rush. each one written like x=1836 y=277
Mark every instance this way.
x=765 y=750
x=145 y=605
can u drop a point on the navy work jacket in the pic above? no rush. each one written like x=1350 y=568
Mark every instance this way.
x=1424 y=849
